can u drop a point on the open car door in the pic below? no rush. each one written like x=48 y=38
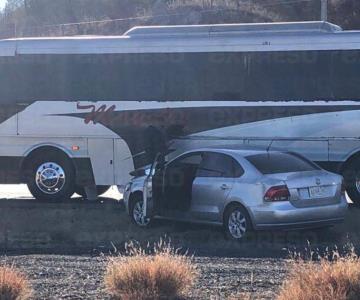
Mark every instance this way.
x=149 y=200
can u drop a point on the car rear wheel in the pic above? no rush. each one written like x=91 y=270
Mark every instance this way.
x=236 y=222
x=137 y=213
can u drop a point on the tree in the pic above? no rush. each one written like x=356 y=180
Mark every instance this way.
x=345 y=13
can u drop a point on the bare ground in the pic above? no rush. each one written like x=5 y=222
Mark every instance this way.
x=256 y=267
x=81 y=277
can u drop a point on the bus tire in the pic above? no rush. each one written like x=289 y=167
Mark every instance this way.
x=351 y=176
x=101 y=189
x=51 y=176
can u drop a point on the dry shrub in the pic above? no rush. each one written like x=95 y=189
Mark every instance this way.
x=163 y=274
x=334 y=279
x=13 y=284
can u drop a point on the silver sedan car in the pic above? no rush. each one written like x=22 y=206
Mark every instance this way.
x=240 y=189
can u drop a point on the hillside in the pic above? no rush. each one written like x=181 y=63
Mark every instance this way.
x=113 y=17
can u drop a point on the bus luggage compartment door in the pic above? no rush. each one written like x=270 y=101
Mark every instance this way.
x=124 y=162
x=101 y=152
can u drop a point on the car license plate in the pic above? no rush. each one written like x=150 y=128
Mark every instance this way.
x=319 y=192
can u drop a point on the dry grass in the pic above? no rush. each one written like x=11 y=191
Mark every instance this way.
x=337 y=278
x=242 y=296
x=13 y=284
x=163 y=274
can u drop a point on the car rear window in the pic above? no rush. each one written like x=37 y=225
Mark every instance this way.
x=219 y=165
x=274 y=163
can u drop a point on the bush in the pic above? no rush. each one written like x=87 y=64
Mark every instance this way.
x=162 y=275
x=13 y=285
x=324 y=280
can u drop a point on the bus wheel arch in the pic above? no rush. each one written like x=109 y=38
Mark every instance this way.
x=50 y=173
x=25 y=163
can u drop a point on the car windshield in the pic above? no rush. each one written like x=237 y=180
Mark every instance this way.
x=274 y=163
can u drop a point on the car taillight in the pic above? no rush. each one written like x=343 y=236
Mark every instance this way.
x=277 y=193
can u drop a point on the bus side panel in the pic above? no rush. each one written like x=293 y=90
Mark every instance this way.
x=312 y=149
x=341 y=150
x=9 y=123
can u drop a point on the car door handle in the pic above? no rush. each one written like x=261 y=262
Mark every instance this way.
x=225 y=187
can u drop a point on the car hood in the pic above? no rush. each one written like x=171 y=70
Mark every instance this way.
x=139 y=179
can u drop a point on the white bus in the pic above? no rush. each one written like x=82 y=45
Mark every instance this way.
x=80 y=113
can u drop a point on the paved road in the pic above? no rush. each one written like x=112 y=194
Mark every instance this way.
x=20 y=191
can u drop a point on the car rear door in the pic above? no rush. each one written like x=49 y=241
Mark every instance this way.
x=212 y=185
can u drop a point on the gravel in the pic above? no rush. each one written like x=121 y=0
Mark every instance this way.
x=81 y=277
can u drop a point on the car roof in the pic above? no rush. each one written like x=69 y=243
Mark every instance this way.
x=242 y=150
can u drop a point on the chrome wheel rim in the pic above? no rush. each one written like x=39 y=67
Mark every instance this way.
x=50 y=178
x=237 y=224
x=138 y=214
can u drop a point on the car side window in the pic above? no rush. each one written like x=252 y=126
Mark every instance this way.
x=219 y=165
x=189 y=159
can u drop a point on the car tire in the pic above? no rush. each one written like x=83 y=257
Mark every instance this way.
x=237 y=223
x=136 y=213
x=51 y=177
x=101 y=189
x=351 y=176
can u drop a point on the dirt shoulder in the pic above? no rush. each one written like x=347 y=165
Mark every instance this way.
x=80 y=277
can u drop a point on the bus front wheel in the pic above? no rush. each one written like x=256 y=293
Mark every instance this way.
x=51 y=176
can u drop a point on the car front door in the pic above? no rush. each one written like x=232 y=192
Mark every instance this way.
x=178 y=181
x=151 y=187
x=212 y=185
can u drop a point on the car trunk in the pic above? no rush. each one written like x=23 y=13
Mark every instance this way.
x=311 y=188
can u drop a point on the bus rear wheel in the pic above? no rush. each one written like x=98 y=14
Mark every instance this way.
x=101 y=189
x=51 y=177
x=352 y=179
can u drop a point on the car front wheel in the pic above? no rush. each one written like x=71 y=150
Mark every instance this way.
x=137 y=213
x=236 y=222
